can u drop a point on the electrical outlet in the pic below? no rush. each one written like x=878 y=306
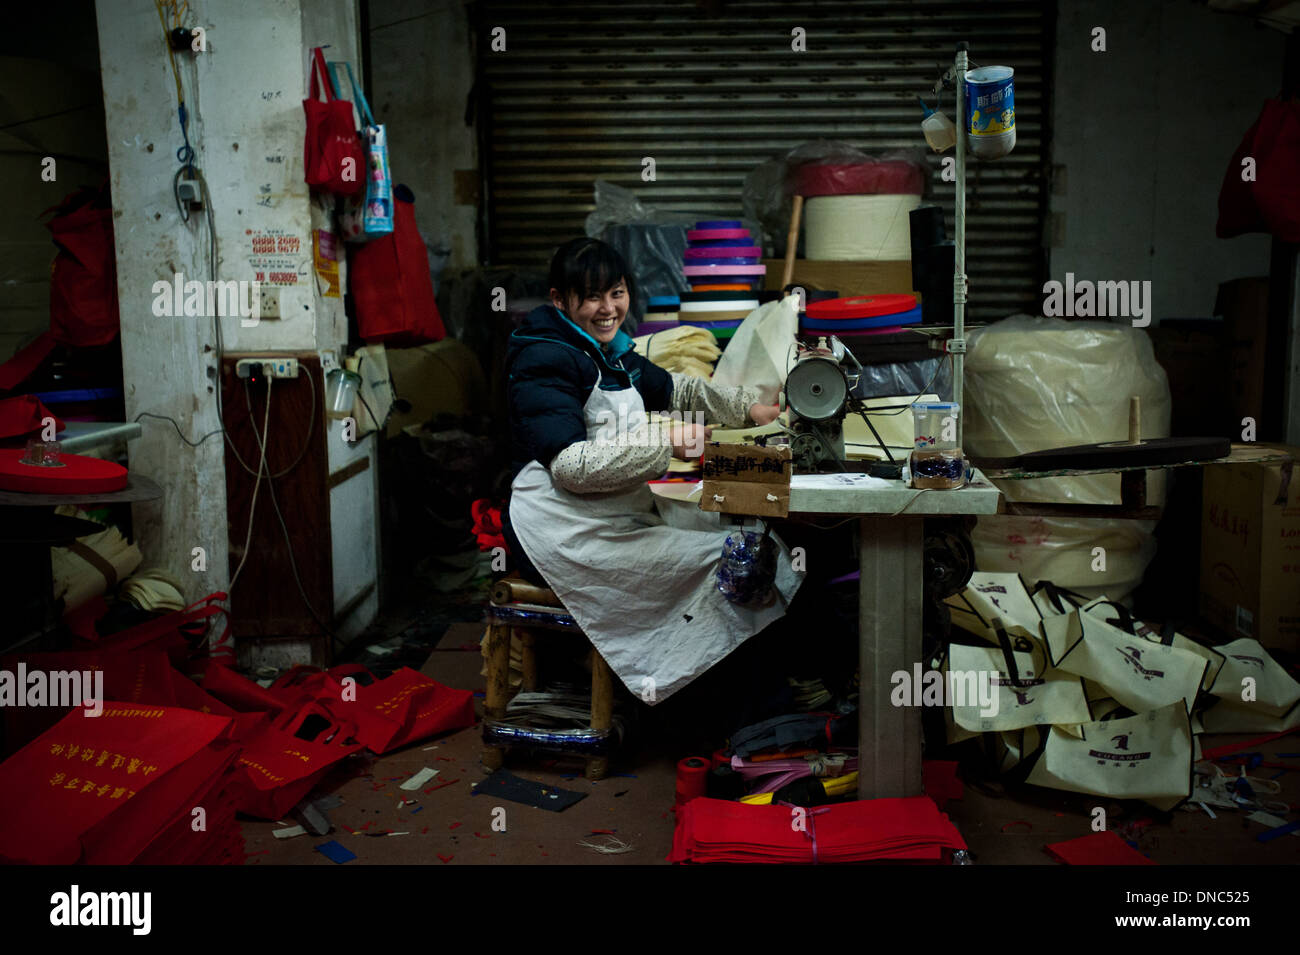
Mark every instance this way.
x=255 y=368
x=270 y=302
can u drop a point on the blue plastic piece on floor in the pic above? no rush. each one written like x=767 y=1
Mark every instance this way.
x=336 y=852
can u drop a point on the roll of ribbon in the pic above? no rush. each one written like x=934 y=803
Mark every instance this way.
x=711 y=224
x=692 y=779
x=859 y=228
x=727 y=252
x=701 y=295
x=724 y=260
x=720 y=243
x=76 y=474
x=715 y=324
x=712 y=271
x=691 y=310
x=840 y=325
x=710 y=235
x=860 y=306
x=720 y=758
x=649 y=328
x=722 y=287
x=860 y=179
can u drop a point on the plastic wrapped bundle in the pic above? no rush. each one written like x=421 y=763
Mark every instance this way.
x=1038 y=383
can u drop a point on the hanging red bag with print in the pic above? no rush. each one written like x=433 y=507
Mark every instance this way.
x=390 y=283
x=332 y=154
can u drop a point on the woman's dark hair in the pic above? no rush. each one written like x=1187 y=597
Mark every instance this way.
x=584 y=266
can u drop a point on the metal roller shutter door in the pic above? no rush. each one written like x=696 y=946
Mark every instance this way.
x=586 y=90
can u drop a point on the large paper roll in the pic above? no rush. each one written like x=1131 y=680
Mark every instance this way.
x=859 y=228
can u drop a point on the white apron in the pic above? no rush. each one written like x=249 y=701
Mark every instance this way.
x=641 y=585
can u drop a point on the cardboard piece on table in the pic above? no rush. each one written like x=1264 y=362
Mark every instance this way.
x=739 y=479
x=509 y=786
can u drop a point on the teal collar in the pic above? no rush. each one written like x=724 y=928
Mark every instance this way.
x=619 y=346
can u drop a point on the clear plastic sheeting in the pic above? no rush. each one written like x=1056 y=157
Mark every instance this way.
x=1038 y=383
x=769 y=187
x=651 y=241
x=925 y=375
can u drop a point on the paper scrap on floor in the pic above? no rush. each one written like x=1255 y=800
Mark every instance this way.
x=419 y=779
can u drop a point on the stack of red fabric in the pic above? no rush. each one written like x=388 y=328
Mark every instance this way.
x=912 y=829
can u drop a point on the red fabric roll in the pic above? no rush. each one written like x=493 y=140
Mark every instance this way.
x=692 y=776
x=860 y=306
x=80 y=475
x=887 y=177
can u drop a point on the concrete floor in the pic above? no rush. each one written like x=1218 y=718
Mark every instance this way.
x=454 y=827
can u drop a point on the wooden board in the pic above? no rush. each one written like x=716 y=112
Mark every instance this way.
x=266 y=602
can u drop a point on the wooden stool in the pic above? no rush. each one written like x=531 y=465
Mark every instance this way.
x=521 y=608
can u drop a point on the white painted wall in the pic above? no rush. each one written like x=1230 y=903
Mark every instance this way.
x=1144 y=132
x=245 y=98
x=422 y=71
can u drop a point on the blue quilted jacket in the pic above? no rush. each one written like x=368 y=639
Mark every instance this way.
x=553 y=365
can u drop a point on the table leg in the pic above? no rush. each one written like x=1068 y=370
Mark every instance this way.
x=889 y=639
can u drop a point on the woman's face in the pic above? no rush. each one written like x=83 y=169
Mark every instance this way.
x=600 y=314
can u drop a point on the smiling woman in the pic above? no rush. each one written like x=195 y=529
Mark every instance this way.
x=641 y=584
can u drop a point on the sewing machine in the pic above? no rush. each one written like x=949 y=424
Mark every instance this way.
x=818 y=395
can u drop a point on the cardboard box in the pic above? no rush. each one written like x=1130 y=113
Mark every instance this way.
x=847 y=278
x=1250 y=551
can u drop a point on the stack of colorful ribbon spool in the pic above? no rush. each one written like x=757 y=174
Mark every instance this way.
x=661 y=314
x=722 y=263
x=861 y=314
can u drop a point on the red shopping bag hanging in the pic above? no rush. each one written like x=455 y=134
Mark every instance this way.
x=1271 y=201
x=332 y=154
x=83 y=280
x=390 y=283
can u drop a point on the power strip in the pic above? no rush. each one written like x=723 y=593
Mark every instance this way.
x=255 y=368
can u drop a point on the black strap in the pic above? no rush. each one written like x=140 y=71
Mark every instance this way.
x=1008 y=656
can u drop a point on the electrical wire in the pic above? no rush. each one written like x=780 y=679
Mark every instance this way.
x=163 y=417
x=257 y=485
x=306 y=441
x=275 y=505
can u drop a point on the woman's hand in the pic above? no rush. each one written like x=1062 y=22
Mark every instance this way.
x=688 y=440
x=764 y=414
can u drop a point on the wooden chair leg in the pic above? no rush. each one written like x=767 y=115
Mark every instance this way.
x=497 y=693
x=528 y=652
x=602 y=709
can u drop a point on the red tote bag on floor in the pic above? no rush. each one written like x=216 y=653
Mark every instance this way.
x=332 y=154
x=278 y=767
x=85 y=769
x=391 y=286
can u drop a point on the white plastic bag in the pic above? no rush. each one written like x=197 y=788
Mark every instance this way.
x=758 y=353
